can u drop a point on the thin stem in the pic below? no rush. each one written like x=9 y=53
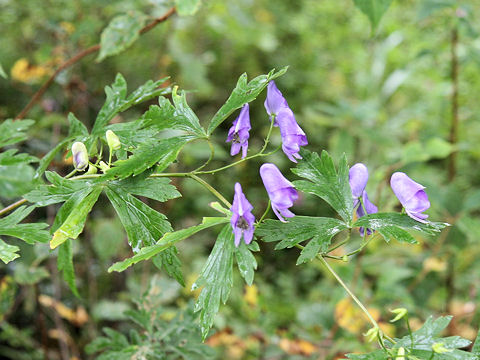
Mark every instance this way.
x=73 y=172
x=109 y=157
x=210 y=158
x=211 y=189
x=265 y=212
x=343 y=242
x=12 y=206
x=409 y=330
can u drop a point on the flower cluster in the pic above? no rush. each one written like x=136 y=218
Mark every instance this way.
x=358 y=177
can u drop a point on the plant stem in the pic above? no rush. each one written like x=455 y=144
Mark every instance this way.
x=211 y=189
x=12 y=206
x=265 y=213
x=210 y=158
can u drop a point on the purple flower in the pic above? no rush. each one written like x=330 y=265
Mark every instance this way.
x=369 y=207
x=80 y=156
x=292 y=134
x=281 y=192
x=274 y=101
x=358 y=177
x=412 y=196
x=242 y=217
x=238 y=133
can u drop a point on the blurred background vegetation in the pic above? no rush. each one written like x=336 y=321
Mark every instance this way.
x=401 y=97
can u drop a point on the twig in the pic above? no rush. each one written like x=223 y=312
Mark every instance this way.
x=12 y=206
x=92 y=49
x=455 y=119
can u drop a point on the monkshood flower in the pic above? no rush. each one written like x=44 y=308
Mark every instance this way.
x=281 y=192
x=292 y=134
x=411 y=195
x=80 y=156
x=369 y=208
x=242 y=217
x=239 y=132
x=274 y=101
x=357 y=177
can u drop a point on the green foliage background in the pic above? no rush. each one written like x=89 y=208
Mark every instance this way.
x=382 y=96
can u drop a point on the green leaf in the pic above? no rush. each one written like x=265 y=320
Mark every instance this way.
x=161 y=152
x=216 y=279
x=154 y=188
x=75 y=221
x=476 y=345
x=144 y=225
x=117 y=100
x=374 y=9
x=166 y=241
x=10 y=157
x=65 y=264
x=30 y=233
x=29 y=275
x=76 y=127
x=300 y=228
x=48 y=158
x=184 y=115
x=246 y=262
x=324 y=181
x=12 y=132
x=169 y=261
x=120 y=34
x=59 y=190
x=16 y=180
x=8 y=252
x=243 y=93
x=2 y=72
x=394 y=226
x=187 y=7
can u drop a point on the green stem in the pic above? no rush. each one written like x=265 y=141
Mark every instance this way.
x=409 y=330
x=69 y=175
x=211 y=189
x=265 y=212
x=210 y=158
x=343 y=242
x=12 y=206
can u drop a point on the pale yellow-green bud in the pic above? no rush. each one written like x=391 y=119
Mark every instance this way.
x=372 y=334
x=401 y=354
x=440 y=349
x=113 y=140
x=80 y=156
x=92 y=169
x=400 y=312
x=345 y=258
x=104 y=167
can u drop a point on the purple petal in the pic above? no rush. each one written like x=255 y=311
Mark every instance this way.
x=235 y=148
x=242 y=220
x=275 y=100
x=411 y=195
x=358 y=177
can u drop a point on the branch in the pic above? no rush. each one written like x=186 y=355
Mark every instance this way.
x=92 y=49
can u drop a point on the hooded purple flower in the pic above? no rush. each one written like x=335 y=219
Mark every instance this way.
x=412 y=196
x=369 y=207
x=281 y=192
x=274 y=101
x=242 y=217
x=292 y=134
x=357 y=177
x=239 y=132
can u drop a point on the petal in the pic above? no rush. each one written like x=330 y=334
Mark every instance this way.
x=275 y=100
x=235 y=148
x=404 y=187
x=418 y=216
x=275 y=210
x=273 y=179
x=358 y=177
x=248 y=235
x=418 y=203
x=286 y=213
x=244 y=149
x=243 y=120
x=238 y=235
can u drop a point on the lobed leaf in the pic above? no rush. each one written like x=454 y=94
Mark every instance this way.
x=169 y=261
x=374 y=9
x=216 y=279
x=65 y=264
x=8 y=252
x=243 y=93
x=184 y=115
x=10 y=157
x=324 y=181
x=395 y=226
x=246 y=261
x=30 y=233
x=12 y=132
x=158 y=189
x=16 y=180
x=165 y=242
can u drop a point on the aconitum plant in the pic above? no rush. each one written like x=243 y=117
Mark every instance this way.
x=125 y=167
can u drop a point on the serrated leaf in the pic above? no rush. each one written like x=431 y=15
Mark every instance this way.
x=65 y=264
x=117 y=101
x=216 y=279
x=12 y=132
x=16 y=180
x=157 y=152
x=30 y=233
x=2 y=72
x=243 y=93
x=8 y=252
x=187 y=7
x=75 y=221
x=76 y=127
x=246 y=262
x=395 y=226
x=48 y=158
x=29 y=275
x=184 y=115
x=169 y=261
x=166 y=241
x=300 y=228
x=158 y=189
x=120 y=34
x=143 y=224
x=476 y=345
x=325 y=182
x=10 y=157
x=374 y=9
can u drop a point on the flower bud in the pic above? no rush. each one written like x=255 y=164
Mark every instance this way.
x=372 y=334
x=113 y=140
x=92 y=169
x=400 y=354
x=80 y=156
x=104 y=167
x=399 y=312
x=440 y=349
x=345 y=258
